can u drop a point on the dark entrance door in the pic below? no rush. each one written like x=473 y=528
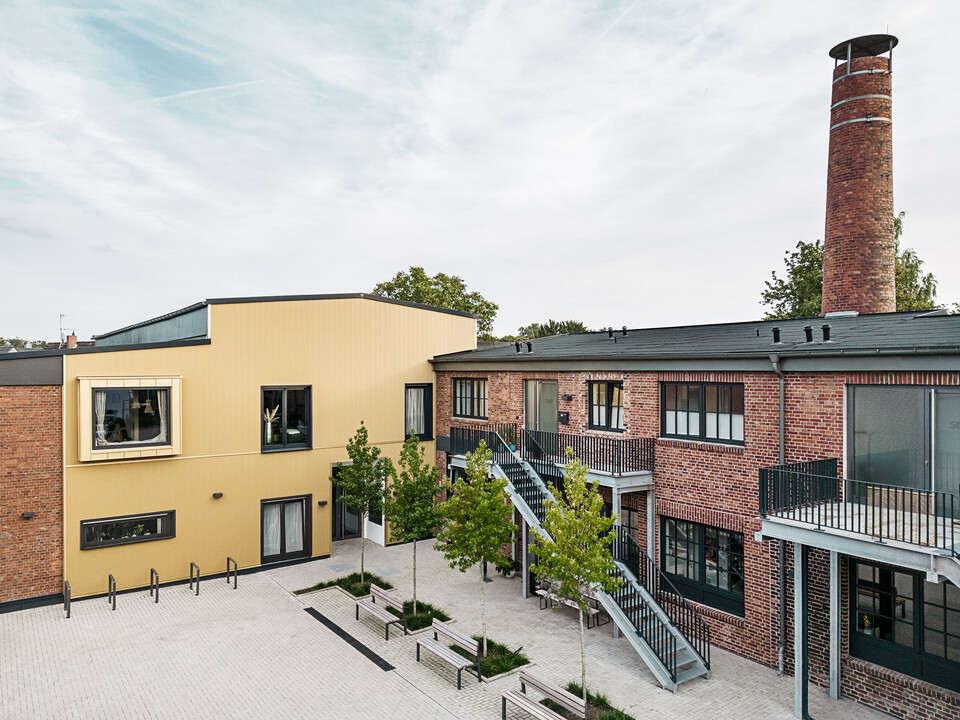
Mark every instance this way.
x=346 y=522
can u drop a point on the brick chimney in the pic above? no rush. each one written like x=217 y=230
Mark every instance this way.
x=858 y=245
x=71 y=341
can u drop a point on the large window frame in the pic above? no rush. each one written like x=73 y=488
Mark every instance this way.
x=92 y=416
x=306 y=519
x=470 y=398
x=277 y=421
x=411 y=416
x=705 y=412
x=606 y=405
x=704 y=563
x=127 y=529
x=901 y=622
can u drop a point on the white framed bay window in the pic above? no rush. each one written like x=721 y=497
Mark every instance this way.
x=128 y=418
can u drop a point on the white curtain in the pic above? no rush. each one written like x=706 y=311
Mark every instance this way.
x=162 y=407
x=271 y=529
x=100 y=407
x=293 y=518
x=415 y=421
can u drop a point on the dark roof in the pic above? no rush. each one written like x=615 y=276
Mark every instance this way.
x=895 y=333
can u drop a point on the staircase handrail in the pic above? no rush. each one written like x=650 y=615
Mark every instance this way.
x=682 y=613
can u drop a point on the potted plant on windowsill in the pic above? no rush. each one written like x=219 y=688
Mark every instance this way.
x=509 y=435
x=866 y=623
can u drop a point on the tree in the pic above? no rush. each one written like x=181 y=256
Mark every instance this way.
x=577 y=553
x=362 y=482
x=21 y=343
x=412 y=501
x=799 y=294
x=477 y=522
x=551 y=327
x=445 y=291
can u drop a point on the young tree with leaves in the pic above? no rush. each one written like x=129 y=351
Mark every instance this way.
x=362 y=482
x=577 y=553
x=477 y=521
x=412 y=507
x=445 y=291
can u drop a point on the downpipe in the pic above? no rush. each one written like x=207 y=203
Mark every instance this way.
x=782 y=644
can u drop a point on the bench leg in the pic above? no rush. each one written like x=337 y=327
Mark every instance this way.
x=418 y=652
x=358 y=611
x=459 y=672
x=386 y=632
x=503 y=712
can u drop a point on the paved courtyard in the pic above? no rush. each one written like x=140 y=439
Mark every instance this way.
x=256 y=653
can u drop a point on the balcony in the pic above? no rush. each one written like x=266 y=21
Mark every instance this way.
x=807 y=503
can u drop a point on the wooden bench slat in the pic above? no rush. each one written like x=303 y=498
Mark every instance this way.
x=371 y=606
x=528 y=705
x=445 y=653
x=565 y=699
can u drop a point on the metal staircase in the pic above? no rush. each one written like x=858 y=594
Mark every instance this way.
x=663 y=628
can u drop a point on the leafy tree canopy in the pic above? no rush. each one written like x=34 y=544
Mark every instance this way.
x=550 y=327
x=445 y=291
x=21 y=343
x=799 y=293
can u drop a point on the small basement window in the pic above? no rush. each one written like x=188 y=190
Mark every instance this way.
x=128 y=529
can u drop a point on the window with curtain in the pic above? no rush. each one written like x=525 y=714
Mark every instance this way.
x=470 y=398
x=285 y=418
x=702 y=411
x=285 y=528
x=606 y=406
x=418 y=411
x=130 y=417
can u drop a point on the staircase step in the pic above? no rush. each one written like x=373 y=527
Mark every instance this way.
x=685 y=656
x=694 y=672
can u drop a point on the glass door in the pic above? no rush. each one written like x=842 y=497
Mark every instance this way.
x=284 y=529
x=346 y=522
x=540 y=405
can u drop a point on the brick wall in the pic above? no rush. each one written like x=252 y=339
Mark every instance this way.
x=31 y=480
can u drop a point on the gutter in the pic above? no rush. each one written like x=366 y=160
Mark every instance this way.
x=782 y=643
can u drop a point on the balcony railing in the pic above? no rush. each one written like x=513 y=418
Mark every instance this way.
x=464 y=439
x=812 y=493
x=613 y=455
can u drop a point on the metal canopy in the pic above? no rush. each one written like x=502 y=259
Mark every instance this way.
x=864 y=46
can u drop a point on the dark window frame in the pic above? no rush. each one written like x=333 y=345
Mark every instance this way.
x=427 y=434
x=611 y=387
x=699 y=590
x=168 y=529
x=307 y=529
x=308 y=411
x=910 y=660
x=131 y=445
x=701 y=434
x=479 y=402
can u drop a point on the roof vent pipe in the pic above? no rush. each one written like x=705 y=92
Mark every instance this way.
x=624 y=330
x=610 y=331
x=529 y=347
x=808 y=333
x=776 y=335
x=826 y=333
x=518 y=346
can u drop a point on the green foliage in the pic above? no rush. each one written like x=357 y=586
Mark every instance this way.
x=352 y=583
x=362 y=483
x=577 y=553
x=20 y=343
x=550 y=327
x=598 y=706
x=411 y=504
x=799 y=293
x=422 y=618
x=477 y=522
x=445 y=291
x=497 y=660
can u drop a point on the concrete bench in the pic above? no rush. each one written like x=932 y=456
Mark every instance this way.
x=568 y=701
x=379 y=610
x=441 y=629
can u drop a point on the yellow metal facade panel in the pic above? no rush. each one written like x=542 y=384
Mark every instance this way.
x=355 y=354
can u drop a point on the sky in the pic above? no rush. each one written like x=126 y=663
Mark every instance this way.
x=634 y=162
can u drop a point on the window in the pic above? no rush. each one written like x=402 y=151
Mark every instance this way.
x=606 y=406
x=905 y=435
x=702 y=411
x=418 y=411
x=705 y=563
x=285 y=419
x=127 y=529
x=128 y=417
x=470 y=398
x=902 y=622
x=285 y=528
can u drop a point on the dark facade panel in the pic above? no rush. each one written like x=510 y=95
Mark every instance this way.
x=30 y=370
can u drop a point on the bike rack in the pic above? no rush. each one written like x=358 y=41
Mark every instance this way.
x=66 y=598
x=112 y=591
x=192 y=566
x=231 y=560
x=155 y=582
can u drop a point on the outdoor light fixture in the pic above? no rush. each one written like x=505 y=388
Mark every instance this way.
x=27 y=515
x=567 y=398
x=218 y=495
x=322 y=503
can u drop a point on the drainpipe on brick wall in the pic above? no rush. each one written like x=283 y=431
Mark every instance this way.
x=782 y=644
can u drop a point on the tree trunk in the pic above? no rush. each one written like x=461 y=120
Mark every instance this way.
x=483 y=615
x=362 y=542
x=583 y=659
x=414 y=577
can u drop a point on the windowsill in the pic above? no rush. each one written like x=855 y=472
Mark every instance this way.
x=128 y=541
x=705 y=445
x=139 y=452
x=607 y=431
x=285 y=448
x=460 y=418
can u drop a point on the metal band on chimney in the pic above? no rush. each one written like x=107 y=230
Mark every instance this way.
x=859 y=120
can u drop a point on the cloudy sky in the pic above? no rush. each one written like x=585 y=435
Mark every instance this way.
x=638 y=162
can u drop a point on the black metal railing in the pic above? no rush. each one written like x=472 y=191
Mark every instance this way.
x=612 y=455
x=194 y=566
x=66 y=597
x=466 y=438
x=682 y=613
x=646 y=622
x=234 y=562
x=812 y=493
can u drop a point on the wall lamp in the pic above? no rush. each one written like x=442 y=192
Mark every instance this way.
x=218 y=495
x=322 y=503
x=567 y=398
x=27 y=515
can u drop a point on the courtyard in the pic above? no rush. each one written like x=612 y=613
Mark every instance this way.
x=255 y=652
